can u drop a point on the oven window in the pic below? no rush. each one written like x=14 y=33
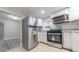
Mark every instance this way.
x=54 y=38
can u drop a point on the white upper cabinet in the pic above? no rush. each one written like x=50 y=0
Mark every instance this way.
x=60 y=12
x=74 y=13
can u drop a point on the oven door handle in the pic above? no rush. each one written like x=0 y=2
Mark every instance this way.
x=54 y=33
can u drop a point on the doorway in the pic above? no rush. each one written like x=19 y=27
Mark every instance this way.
x=1 y=31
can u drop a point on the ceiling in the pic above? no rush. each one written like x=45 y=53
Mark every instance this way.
x=33 y=11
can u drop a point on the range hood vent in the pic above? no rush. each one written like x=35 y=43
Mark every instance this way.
x=61 y=19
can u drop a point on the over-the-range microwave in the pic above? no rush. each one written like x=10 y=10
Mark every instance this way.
x=61 y=18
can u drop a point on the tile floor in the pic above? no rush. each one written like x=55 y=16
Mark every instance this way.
x=40 y=48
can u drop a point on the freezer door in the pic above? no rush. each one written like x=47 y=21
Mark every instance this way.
x=32 y=21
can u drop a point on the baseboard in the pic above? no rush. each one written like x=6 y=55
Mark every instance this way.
x=68 y=49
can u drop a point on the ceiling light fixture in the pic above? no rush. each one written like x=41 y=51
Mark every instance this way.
x=42 y=11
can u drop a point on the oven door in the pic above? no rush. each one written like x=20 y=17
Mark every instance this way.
x=54 y=37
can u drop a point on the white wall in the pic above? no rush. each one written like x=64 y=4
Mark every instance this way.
x=12 y=28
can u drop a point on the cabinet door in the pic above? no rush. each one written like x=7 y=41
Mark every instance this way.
x=67 y=40
x=73 y=13
x=75 y=41
x=39 y=37
x=61 y=12
x=42 y=37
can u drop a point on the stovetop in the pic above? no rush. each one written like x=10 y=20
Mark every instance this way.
x=55 y=31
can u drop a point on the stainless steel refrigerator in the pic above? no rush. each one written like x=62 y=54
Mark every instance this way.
x=29 y=32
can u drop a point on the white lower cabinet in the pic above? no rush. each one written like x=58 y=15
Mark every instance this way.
x=75 y=41
x=71 y=40
x=42 y=37
x=39 y=37
x=67 y=39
